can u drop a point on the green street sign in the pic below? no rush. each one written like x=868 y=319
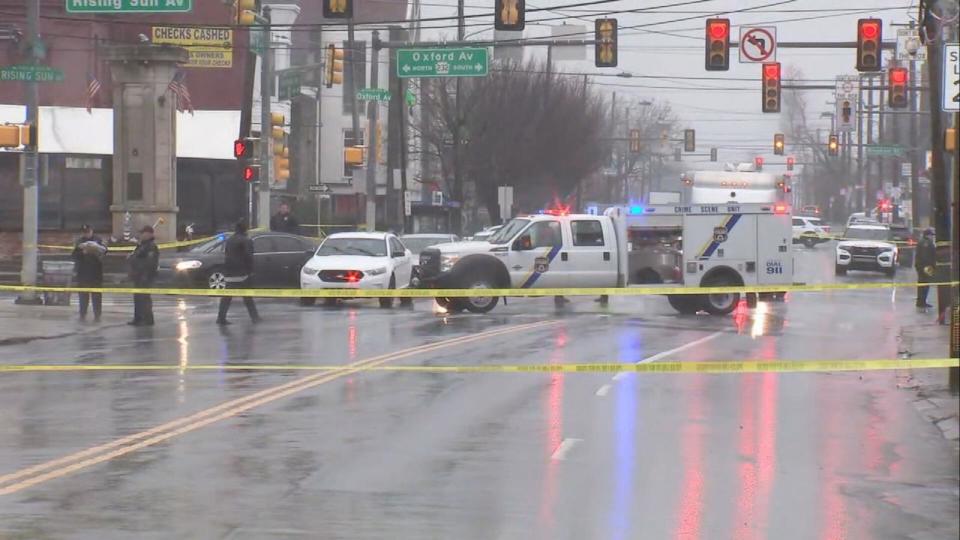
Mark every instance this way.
x=289 y=84
x=258 y=39
x=471 y=62
x=31 y=74
x=129 y=6
x=880 y=150
x=373 y=94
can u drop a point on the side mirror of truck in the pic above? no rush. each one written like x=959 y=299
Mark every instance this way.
x=524 y=243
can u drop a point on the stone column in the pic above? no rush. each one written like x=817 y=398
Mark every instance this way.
x=144 y=138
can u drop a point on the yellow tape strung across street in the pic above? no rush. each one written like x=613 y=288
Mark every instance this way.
x=749 y=366
x=467 y=293
x=165 y=245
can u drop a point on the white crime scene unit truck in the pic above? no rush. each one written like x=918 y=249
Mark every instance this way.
x=715 y=245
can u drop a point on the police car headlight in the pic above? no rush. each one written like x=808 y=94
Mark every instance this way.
x=310 y=271
x=376 y=271
x=188 y=265
x=447 y=262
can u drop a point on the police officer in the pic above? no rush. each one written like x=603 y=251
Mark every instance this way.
x=88 y=252
x=926 y=264
x=283 y=221
x=144 y=262
x=238 y=267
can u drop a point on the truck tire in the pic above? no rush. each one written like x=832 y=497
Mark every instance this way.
x=685 y=304
x=720 y=304
x=809 y=242
x=478 y=304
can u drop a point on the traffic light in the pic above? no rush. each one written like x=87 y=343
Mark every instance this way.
x=869 y=38
x=605 y=43
x=771 y=87
x=884 y=206
x=950 y=139
x=833 y=145
x=334 y=66
x=689 y=140
x=635 y=145
x=717 y=56
x=778 y=144
x=281 y=155
x=509 y=15
x=790 y=162
x=677 y=156
x=713 y=154
x=251 y=173
x=897 y=87
x=9 y=136
x=758 y=163
x=337 y=9
x=846 y=112
x=245 y=12
x=353 y=155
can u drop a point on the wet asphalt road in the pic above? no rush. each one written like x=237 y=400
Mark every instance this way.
x=387 y=454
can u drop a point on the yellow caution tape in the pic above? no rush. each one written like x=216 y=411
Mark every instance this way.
x=468 y=293
x=165 y=245
x=748 y=366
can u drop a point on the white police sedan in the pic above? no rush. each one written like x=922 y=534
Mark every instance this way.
x=358 y=260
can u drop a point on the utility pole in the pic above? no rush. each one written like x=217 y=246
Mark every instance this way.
x=373 y=108
x=317 y=154
x=457 y=192
x=861 y=166
x=914 y=145
x=868 y=192
x=266 y=144
x=28 y=166
x=350 y=57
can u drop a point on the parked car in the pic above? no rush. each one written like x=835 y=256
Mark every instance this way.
x=358 y=260
x=809 y=232
x=861 y=217
x=277 y=259
x=420 y=241
x=866 y=247
x=902 y=235
x=810 y=210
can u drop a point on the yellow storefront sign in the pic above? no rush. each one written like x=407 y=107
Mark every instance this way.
x=209 y=47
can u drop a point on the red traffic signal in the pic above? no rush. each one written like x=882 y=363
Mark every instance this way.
x=790 y=162
x=758 y=163
x=251 y=173
x=869 y=39
x=897 y=91
x=771 y=87
x=717 y=45
x=884 y=205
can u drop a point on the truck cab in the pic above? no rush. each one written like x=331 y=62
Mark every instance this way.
x=537 y=251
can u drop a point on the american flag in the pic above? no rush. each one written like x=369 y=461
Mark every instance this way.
x=179 y=88
x=93 y=88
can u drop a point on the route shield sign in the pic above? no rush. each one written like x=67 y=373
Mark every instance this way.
x=28 y=73
x=129 y=6
x=438 y=62
x=951 y=77
x=758 y=44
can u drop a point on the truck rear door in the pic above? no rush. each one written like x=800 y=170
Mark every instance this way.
x=592 y=255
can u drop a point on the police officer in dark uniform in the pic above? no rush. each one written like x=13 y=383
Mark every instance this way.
x=88 y=252
x=238 y=267
x=144 y=262
x=283 y=221
x=925 y=262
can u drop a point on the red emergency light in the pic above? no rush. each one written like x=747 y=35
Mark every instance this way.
x=780 y=208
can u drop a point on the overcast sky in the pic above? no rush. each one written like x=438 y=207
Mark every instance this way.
x=723 y=110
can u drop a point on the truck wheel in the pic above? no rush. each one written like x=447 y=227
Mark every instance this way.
x=809 y=242
x=723 y=303
x=686 y=304
x=479 y=304
x=841 y=270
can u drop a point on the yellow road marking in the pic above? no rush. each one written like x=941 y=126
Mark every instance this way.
x=223 y=411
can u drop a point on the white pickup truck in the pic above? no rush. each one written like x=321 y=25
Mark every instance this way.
x=716 y=245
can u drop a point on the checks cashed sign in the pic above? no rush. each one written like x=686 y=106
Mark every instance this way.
x=209 y=47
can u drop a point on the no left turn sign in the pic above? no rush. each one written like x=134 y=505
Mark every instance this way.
x=758 y=44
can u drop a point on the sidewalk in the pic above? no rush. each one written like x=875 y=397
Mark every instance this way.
x=933 y=398
x=23 y=323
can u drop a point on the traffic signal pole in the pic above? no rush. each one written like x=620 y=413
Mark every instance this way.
x=266 y=146
x=28 y=166
x=373 y=109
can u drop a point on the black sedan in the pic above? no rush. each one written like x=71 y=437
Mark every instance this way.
x=277 y=259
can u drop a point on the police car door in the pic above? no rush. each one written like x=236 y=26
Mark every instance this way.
x=535 y=260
